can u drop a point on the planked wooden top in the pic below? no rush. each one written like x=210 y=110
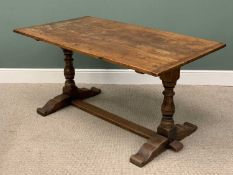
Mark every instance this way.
x=145 y=50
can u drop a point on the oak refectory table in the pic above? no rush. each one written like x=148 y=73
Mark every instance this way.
x=145 y=50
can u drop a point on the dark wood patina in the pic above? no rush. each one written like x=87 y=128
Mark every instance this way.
x=70 y=90
x=145 y=50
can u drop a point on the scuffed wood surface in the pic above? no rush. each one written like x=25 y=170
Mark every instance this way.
x=143 y=49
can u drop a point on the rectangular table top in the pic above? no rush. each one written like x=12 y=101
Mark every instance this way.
x=143 y=49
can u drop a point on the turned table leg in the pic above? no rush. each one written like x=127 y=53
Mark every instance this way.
x=167 y=126
x=70 y=90
x=69 y=72
x=168 y=134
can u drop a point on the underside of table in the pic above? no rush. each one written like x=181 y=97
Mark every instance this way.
x=168 y=133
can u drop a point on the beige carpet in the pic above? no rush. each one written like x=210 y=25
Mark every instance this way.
x=72 y=142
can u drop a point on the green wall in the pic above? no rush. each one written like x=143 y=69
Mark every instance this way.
x=210 y=19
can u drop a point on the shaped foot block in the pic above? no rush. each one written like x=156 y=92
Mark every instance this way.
x=184 y=130
x=84 y=93
x=54 y=105
x=149 y=150
x=176 y=145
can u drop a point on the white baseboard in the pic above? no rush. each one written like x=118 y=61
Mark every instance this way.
x=113 y=76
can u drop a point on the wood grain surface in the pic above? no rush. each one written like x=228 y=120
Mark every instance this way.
x=145 y=50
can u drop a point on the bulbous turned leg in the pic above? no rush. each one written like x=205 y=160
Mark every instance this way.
x=70 y=90
x=168 y=134
x=167 y=126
